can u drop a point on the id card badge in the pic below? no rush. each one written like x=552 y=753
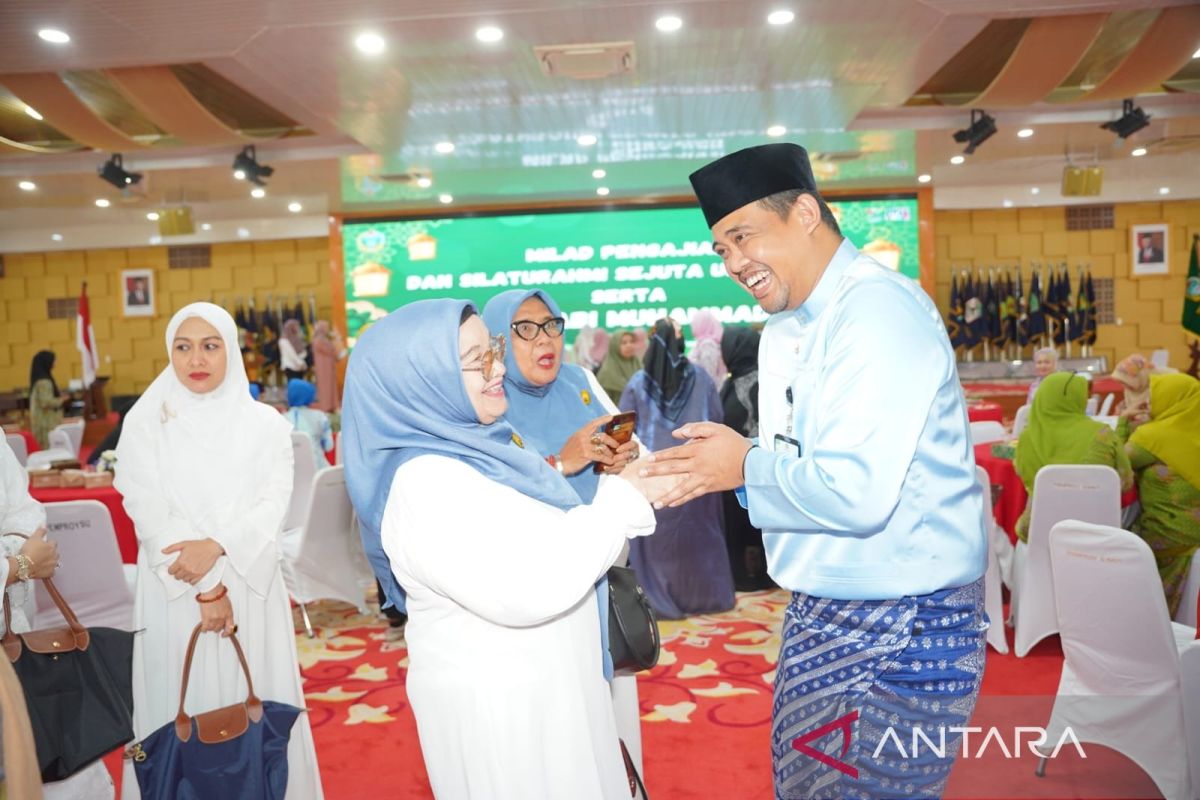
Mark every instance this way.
x=786 y=445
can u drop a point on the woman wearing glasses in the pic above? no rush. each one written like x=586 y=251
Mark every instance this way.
x=497 y=557
x=559 y=409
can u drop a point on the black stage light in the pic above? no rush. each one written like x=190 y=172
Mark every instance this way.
x=115 y=173
x=246 y=167
x=1132 y=120
x=982 y=127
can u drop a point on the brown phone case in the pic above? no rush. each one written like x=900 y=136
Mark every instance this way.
x=619 y=428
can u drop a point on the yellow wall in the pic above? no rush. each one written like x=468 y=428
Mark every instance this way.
x=1149 y=308
x=135 y=344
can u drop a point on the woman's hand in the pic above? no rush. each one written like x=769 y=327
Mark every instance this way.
x=1137 y=413
x=43 y=553
x=651 y=487
x=196 y=558
x=216 y=616
x=625 y=455
x=586 y=445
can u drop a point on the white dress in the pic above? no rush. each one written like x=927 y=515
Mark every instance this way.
x=505 y=674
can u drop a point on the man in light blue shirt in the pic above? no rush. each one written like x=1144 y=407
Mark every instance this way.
x=863 y=482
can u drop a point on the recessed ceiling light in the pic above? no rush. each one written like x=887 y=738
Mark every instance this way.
x=668 y=24
x=956 y=160
x=602 y=191
x=598 y=173
x=370 y=43
x=1008 y=203
x=27 y=186
x=1035 y=190
x=781 y=17
x=258 y=193
x=587 y=139
x=1164 y=190
x=1025 y=133
x=444 y=148
x=445 y=199
x=424 y=183
x=152 y=216
x=33 y=112
x=489 y=34
x=295 y=207
x=239 y=174
x=1139 y=151
x=243 y=233
x=53 y=35
x=102 y=202
x=926 y=178
x=776 y=130
x=206 y=226
x=56 y=237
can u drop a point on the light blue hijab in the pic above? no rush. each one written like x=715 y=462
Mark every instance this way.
x=547 y=415
x=405 y=398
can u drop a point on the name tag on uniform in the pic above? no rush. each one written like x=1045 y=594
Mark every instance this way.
x=786 y=445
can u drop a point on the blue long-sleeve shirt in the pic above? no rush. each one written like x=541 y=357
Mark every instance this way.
x=881 y=500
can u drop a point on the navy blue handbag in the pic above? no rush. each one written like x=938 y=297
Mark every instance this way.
x=238 y=752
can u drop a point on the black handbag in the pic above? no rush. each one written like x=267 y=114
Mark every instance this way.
x=78 y=685
x=633 y=640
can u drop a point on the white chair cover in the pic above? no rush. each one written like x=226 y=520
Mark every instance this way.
x=1106 y=406
x=337 y=449
x=90 y=574
x=1021 y=420
x=16 y=443
x=1121 y=684
x=1089 y=493
x=74 y=432
x=1186 y=615
x=1189 y=669
x=986 y=431
x=58 y=439
x=325 y=559
x=304 y=467
x=993 y=602
x=1093 y=405
x=44 y=458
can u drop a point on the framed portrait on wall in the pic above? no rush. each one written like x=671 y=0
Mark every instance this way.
x=137 y=292
x=1148 y=249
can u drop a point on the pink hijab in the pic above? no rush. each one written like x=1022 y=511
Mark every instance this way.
x=707 y=331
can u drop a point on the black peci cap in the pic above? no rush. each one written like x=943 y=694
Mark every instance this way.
x=749 y=175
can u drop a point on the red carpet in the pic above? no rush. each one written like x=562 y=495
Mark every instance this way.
x=705 y=709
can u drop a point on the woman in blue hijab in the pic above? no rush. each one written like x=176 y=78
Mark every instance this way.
x=310 y=421
x=497 y=557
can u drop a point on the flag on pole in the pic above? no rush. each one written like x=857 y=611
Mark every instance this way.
x=1037 y=313
x=1089 y=320
x=1022 y=335
x=85 y=339
x=972 y=312
x=1191 y=291
x=954 y=315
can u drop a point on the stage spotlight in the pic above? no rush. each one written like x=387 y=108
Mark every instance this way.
x=982 y=127
x=114 y=172
x=1132 y=120
x=247 y=164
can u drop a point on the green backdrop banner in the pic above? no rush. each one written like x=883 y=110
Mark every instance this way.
x=607 y=269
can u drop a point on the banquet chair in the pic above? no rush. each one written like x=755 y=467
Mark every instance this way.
x=90 y=575
x=1021 y=420
x=324 y=559
x=1106 y=405
x=1186 y=615
x=1093 y=405
x=16 y=443
x=1085 y=492
x=337 y=449
x=58 y=439
x=1122 y=684
x=993 y=602
x=1189 y=668
x=44 y=458
x=74 y=432
x=304 y=467
x=987 y=430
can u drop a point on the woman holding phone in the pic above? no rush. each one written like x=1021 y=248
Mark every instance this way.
x=560 y=411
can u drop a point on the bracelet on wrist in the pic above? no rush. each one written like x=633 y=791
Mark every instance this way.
x=556 y=462
x=224 y=591
x=24 y=566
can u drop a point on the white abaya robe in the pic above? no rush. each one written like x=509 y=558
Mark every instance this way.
x=505 y=674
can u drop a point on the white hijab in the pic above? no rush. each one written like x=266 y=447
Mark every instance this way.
x=205 y=448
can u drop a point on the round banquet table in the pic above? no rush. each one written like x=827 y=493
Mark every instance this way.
x=110 y=497
x=977 y=412
x=1006 y=507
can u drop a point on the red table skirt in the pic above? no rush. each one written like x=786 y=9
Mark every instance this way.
x=126 y=537
x=977 y=412
x=1009 y=504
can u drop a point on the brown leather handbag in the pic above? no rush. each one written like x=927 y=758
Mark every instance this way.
x=78 y=685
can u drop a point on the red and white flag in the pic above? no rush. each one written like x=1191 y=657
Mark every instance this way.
x=85 y=339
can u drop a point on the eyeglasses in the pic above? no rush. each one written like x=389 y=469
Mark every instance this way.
x=528 y=329
x=487 y=361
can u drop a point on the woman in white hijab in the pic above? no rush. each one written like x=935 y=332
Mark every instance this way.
x=206 y=474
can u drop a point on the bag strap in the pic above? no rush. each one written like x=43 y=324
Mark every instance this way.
x=635 y=780
x=642 y=600
x=12 y=642
x=183 y=723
